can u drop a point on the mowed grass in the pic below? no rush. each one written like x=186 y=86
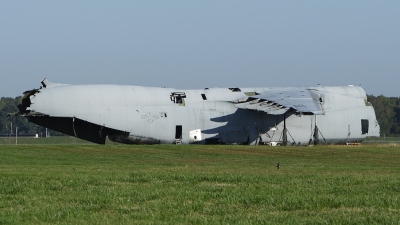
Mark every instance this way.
x=42 y=140
x=192 y=184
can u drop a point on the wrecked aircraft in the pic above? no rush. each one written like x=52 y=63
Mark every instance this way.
x=150 y=115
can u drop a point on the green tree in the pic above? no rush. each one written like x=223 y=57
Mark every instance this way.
x=387 y=110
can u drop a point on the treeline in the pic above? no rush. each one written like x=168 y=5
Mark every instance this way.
x=8 y=124
x=387 y=111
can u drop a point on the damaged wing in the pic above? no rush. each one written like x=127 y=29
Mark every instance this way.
x=277 y=102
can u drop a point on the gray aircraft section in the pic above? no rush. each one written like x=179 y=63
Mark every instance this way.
x=150 y=115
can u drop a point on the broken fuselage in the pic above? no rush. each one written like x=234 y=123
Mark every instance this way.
x=149 y=115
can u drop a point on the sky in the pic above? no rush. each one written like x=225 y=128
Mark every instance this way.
x=198 y=44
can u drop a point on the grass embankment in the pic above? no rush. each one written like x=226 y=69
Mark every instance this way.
x=168 y=184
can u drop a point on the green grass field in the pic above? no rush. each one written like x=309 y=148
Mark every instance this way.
x=169 y=184
x=65 y=140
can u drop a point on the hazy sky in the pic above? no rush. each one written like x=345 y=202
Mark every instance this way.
x=198 y=44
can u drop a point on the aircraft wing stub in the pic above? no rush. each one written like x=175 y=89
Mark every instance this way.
x=280 y=101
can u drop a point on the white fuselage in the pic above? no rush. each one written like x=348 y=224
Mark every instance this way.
x=164 y=115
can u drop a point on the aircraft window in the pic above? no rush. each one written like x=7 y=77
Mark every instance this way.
x=204 y=96
x=364 y=126
x=235 y=89
x=178 y=98
x=251 y=93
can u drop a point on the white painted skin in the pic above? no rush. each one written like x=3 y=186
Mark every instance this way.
x=216 y=113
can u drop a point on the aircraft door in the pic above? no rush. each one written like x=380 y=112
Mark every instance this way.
x=178 y=134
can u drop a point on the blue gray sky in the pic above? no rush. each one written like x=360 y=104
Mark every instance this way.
x=197 y=44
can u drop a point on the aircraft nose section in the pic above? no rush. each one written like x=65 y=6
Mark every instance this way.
x=26 y=102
